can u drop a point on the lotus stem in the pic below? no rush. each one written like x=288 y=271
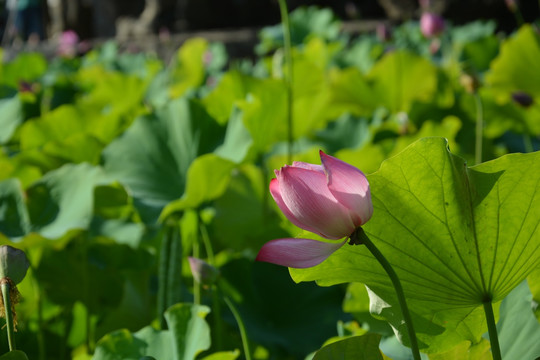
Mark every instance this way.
x=288 y=75
x=242 y=328
x=492 y=330
x=479 y=128
x=362 y=238
x=5 y=285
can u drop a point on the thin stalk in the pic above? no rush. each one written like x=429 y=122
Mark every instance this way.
x=241 y=326
x=288 y=75
x=479 y=128
x=207 y=243
x=218 y=323
x=196 y=284
x=5 y=287
x=492 y=330
x=162 y=277
x=362 y=238
x=528 y=143
x=174 y=274
x=40 y=337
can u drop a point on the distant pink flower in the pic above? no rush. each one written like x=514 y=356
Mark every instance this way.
x=67 y=44
x=431 y=24
x=331 y=200
x=383 y=32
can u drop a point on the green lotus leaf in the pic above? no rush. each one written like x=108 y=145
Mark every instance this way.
x=400 y=78
x=188 y=335
x=457 y=237
x=516 y=67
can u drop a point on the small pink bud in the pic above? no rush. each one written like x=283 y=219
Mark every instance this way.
x=431 y=24
x=383 y=32
x=202 y=271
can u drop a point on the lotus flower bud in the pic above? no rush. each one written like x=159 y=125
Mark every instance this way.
x=331 y=200
x=13 y=263
x=431 y=24
x=202 y=271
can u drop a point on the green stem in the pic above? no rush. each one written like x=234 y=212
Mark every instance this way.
x=241 y=326
x=479 y=128
x=362 y=238
x=163 y=276
x=288 y=75
x=207 y=243
x=528 y=143
x=492 y=330
x=174 y=274
x=5 y=287
x=218 y=323
x=196 y=284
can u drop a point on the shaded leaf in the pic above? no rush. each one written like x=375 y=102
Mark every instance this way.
x=517 y=327
x=188 y=336
x=153 y=156
x=207 y=178
x=356 y=347
x=516 y=67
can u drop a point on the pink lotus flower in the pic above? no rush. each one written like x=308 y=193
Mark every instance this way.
x=331 y=200
x=431 y=24
x=67 y=44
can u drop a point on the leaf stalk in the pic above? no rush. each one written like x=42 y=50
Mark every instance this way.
x=5 y=287
x=362 y=238
x=492 y=330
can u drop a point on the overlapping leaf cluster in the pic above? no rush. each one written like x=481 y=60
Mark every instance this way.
x=115 y=167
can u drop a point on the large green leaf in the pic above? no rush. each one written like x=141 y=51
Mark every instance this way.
x=25 y=67
x=516 y=67
x=63 y=199
x=518 y=328
x=253 y=96
x=153 y=156
x=207 y=178
x=60 y=201
x=14 y=218
x=10 y=116
x=456 y=236
x=14 y=355
x=188 y=336
x=189 y=64
x=400 y=78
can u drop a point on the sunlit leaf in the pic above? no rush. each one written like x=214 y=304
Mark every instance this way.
x=516 y=67
x=188 y=71
x=456 y=236
x=400 y=78
x=207 y=178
